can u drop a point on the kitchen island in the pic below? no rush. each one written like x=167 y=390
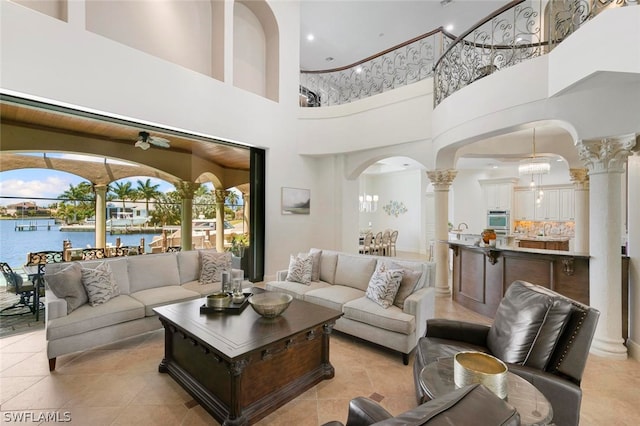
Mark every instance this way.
x=482 y=274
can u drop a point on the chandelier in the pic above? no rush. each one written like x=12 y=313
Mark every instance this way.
x=535 y=167
x=368 y=203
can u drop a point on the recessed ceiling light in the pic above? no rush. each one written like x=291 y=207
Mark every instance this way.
x=310 y=37
x=381 y=35
x=449 y=27
x=359 y=70
x=329 y=59
x=494 y=167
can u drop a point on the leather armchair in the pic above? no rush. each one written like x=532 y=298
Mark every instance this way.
x=543 y=337
x=460 y=408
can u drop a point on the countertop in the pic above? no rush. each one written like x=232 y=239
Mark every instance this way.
x=523 y=237
x=563 y=253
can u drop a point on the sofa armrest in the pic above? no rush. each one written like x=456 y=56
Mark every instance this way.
x=463 y=331
x=364 y=412
x=421 y=304
x=54 y=307
x=282 y=275
x=565 y=396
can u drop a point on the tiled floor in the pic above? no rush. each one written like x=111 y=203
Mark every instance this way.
x=119 y=384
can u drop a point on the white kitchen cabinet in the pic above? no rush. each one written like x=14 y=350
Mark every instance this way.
x=566 y=203
x=498 y=193
x=549 y=206
x=524 y=205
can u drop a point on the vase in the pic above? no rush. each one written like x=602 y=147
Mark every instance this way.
x=488 y=235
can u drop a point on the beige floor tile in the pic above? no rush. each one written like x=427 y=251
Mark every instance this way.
x=119 y=384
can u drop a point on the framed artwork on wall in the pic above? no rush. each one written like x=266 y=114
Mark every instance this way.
x=296 y=201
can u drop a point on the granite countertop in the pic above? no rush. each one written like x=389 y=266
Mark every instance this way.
x=522 y=237
x=564 y=253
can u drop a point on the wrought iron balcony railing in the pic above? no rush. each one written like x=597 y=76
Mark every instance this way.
x=400 y=65
x=520 y=30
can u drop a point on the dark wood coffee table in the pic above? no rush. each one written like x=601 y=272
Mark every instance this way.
x=242 y=367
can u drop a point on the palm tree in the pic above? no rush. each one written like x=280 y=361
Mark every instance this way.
x=124 y=191
x=80 y=193
x=147 y=191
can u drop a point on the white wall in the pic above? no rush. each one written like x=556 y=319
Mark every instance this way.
x=634 y=255
x=249 y=51
x=175 y=30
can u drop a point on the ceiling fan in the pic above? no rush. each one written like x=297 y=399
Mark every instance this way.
x=145 y=140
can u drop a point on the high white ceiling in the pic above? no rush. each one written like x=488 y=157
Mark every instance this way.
x=350 y=31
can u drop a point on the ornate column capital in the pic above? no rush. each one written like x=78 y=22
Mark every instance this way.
x=442 y=178
x=221 y=195
x=579 y=177
x=607 y=154
x=186 y=189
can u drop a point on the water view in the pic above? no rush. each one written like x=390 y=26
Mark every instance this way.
x=14 y=245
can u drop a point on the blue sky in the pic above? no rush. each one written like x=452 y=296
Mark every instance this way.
x=40 y=183
x=27 y=184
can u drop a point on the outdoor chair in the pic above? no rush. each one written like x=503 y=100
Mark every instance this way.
x=15 y=284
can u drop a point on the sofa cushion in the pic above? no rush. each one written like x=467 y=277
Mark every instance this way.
x=299 y=268
x=86 y=318
x=316 y=256
x=328 y=263
x=369 y=312
x=99 y=283
x=333 y=296
x=408 y=285
x=354 y=271
x=154 y=297
x=188 y=265
x=526 y=319
x=296 y=290
x=212 y=264
x=384 y=284
x=202 y=289
x=153 y=270
x=67 y=284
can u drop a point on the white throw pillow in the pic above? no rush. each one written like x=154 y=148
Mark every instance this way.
x=212 y=265
x=100 y=284
x=300 y=269
x=384 y=284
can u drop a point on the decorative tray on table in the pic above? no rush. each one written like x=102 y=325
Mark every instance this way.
x=232 y=308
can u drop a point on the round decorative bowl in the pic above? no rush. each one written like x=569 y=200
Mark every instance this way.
x=270 y=304
x=218 y=300
x=477 y=367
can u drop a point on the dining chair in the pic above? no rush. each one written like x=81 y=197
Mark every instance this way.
x=392 y=243
x=386 y=243
x=365 y=247
x=377 y=244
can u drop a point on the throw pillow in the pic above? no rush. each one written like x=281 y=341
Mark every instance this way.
x=384 y=284
x=315 y=267
x=408 y=284
x=212 y=264
x=67 y=284
x=100 y=284
x=300 y=269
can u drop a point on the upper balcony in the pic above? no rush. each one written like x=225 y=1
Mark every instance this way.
x=519 y=31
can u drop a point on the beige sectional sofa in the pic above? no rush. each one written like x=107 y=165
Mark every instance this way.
x=144 y=282
x=341 y=283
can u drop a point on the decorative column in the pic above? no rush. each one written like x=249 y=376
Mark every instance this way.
x=441 y=180
x=245 y=211
x=186 y=191
x=605 y=160
x=221 y=195
x=580 y=179
x=101 y=212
